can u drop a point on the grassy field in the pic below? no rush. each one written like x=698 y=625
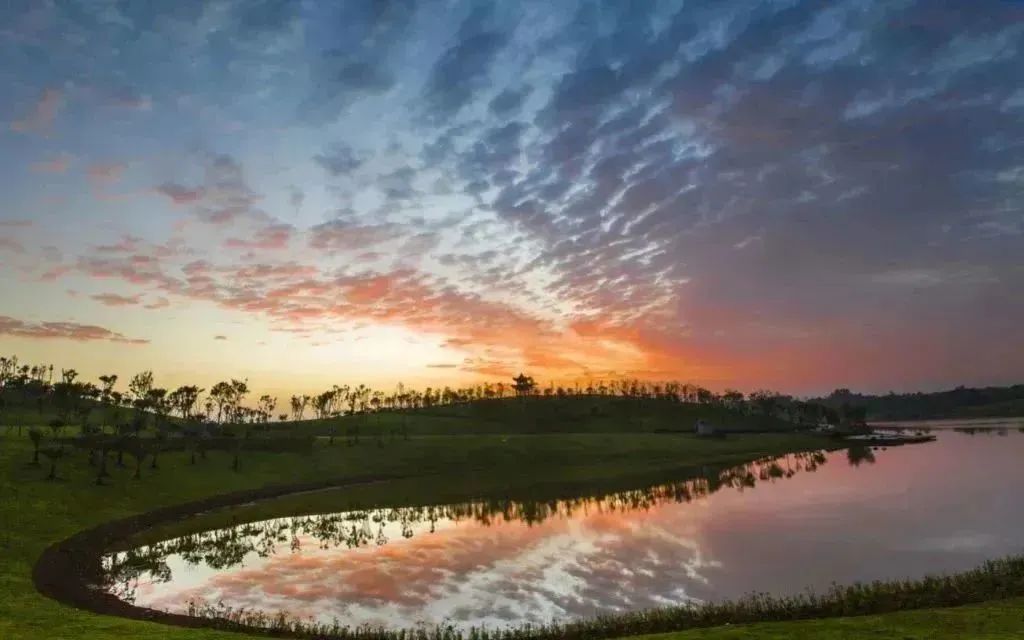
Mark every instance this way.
x=425 y=468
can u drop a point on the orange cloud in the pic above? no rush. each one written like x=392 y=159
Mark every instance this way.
x=179 y=194
x=63 y=330
x=43 y=113
x=276 y=236
x=10 y=244
x=115 y=300
x=57 y=164
x=103 y=174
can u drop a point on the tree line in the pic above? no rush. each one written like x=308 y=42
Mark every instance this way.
x=225 y=401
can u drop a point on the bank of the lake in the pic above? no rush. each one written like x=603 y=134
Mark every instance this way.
x=38 y=513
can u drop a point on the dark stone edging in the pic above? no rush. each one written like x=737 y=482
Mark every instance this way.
x=68 y=571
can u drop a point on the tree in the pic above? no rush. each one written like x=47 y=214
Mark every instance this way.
x=222 y=395
x=236 y=449
x=103 y=445
x=107 y=383
x=184 y=400
x=53 y=453
x=265 y=406
x=36 y=436
x=322 y=404
x=138 y=449
x=239 y=389
x=766 y=401
x=8 y=370
x=732 y=399
x=139 y=387
x=858 y=454
x=298 y=406
x=523 y=385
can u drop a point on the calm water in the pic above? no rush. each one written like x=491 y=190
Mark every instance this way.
x=779 y=526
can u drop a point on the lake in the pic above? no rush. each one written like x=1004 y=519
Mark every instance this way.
x=779 y=526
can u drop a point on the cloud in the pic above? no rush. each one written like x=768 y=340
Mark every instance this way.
x=339 y=160
x=343 y=235
x=275 y=236
x=596 y=188
x=357 y=42
x=224 y=196
x=61 y=330
x=127 y=244
x=12 y=245
x=126 y=98
x=105 y=173
x=41 y=116
x=57 y=164
x=296 y=197
x=746 y=242
x=116 y=300
x=179 y=194
x=508 y=101
x=464 y=67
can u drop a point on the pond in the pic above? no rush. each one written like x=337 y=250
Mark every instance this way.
x=779 y=526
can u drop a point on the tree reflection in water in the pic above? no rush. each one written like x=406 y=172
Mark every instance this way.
x=221 y=549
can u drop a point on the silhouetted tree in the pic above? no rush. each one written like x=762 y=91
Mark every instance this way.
x=36 y=436
x=523 y=385
x=53 y=453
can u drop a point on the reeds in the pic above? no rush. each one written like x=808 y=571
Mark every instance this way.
x=993 y=580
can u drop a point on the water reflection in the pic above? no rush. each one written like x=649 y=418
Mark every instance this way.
x=149 y=566
x=860 y=454
x=870 y=514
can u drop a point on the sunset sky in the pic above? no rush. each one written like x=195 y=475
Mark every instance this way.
x=792 y=195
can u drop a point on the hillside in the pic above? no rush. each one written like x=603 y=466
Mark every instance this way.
x=961 y=402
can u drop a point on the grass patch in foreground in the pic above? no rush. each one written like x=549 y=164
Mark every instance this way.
x=998 y=620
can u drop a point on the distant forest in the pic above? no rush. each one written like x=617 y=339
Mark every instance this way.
x=962 y=402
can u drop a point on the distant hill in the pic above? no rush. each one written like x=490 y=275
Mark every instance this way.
x=961 y=402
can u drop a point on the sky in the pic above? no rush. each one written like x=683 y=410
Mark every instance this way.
x=787 y=195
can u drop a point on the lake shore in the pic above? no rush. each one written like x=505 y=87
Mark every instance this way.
x=49 y=511
x=45 y=512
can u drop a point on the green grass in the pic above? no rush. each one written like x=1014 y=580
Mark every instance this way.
x=36 y=513
x=999 y=620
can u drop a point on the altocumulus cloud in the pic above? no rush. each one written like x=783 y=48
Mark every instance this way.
x=724 y=190
x=64 y=330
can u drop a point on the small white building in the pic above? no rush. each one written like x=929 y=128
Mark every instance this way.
x=704 y=428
